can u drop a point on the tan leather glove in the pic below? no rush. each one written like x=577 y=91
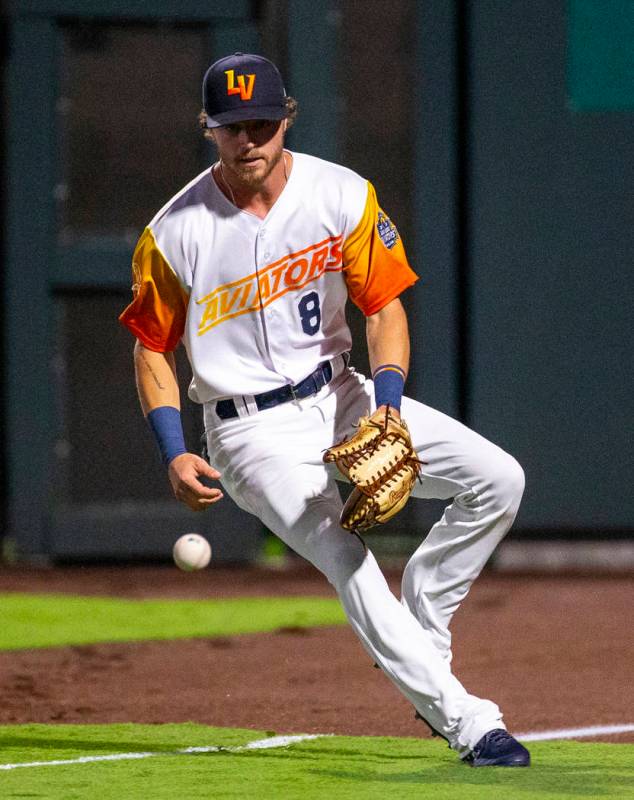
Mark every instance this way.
x=380 y=462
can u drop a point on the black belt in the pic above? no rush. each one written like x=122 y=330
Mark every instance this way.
x=226 y=409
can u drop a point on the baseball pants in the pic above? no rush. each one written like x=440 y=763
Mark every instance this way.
x=271 y=465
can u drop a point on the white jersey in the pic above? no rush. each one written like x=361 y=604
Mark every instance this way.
x=259 y=303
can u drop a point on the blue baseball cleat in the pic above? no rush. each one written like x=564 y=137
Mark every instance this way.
x=498 y=748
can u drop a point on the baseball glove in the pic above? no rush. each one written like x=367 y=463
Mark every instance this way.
x=381 y=463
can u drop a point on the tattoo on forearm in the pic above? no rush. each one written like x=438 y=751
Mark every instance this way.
x=152 y=373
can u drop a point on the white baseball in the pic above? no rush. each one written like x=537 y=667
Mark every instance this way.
x=192 y=551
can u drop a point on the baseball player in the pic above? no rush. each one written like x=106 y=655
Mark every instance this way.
x=250 y=265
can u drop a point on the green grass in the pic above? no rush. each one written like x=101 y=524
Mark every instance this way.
x=332 y=768
x=336 y=768
x=53 y=620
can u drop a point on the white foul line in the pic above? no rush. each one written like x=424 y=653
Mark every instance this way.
x=575 y=733
x=285 y=741
x=259 y=744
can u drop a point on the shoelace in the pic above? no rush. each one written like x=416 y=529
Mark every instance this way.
x=495 y=737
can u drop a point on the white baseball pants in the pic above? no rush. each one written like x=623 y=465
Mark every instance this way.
x=271 y=465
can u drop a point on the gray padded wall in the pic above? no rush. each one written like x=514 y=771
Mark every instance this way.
x=552 y=253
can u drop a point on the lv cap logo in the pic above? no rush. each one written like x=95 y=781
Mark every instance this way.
x=244 y=87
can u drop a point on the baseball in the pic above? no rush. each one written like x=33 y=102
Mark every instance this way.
x=192 y=551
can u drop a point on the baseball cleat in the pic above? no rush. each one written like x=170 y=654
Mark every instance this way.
x=498 y=748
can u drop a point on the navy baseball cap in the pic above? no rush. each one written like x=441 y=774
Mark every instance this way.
x=243 y=86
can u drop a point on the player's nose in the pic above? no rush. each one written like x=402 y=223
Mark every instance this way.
x=244 y=138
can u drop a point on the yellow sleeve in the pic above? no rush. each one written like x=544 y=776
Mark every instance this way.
x=156 y=315
x=375 y=265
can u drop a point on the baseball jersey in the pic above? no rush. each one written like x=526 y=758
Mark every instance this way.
x=259 y=303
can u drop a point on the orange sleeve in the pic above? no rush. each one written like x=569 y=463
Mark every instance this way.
x=156 y=315
x=375 y=266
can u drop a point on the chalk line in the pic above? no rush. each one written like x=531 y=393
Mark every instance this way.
x=286 y=741
x=575 y=733
x=258 y=744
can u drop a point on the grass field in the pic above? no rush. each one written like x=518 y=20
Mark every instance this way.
x=54 y=620
x=146 y=761
x=331 y=767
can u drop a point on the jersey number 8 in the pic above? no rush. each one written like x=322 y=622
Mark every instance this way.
x=310 y=313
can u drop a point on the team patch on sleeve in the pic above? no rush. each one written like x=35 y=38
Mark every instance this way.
x=375 y=265
x=386 y=230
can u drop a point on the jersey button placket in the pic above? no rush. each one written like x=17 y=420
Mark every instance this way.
x=264 y=253
x=272 y=318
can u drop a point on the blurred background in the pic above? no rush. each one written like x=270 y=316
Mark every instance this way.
x=499 y=136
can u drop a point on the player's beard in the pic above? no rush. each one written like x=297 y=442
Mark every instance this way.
x=254 y=177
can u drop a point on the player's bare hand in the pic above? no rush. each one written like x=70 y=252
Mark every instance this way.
x=185 y=473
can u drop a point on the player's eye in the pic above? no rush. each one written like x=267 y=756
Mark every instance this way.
x=252 y=127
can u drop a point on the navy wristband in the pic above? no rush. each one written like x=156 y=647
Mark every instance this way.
x=167 y=428
x=389 y=380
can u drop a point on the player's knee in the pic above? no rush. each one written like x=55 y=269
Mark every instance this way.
x=508 y=483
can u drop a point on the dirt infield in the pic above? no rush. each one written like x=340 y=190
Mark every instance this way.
x=553 y=652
